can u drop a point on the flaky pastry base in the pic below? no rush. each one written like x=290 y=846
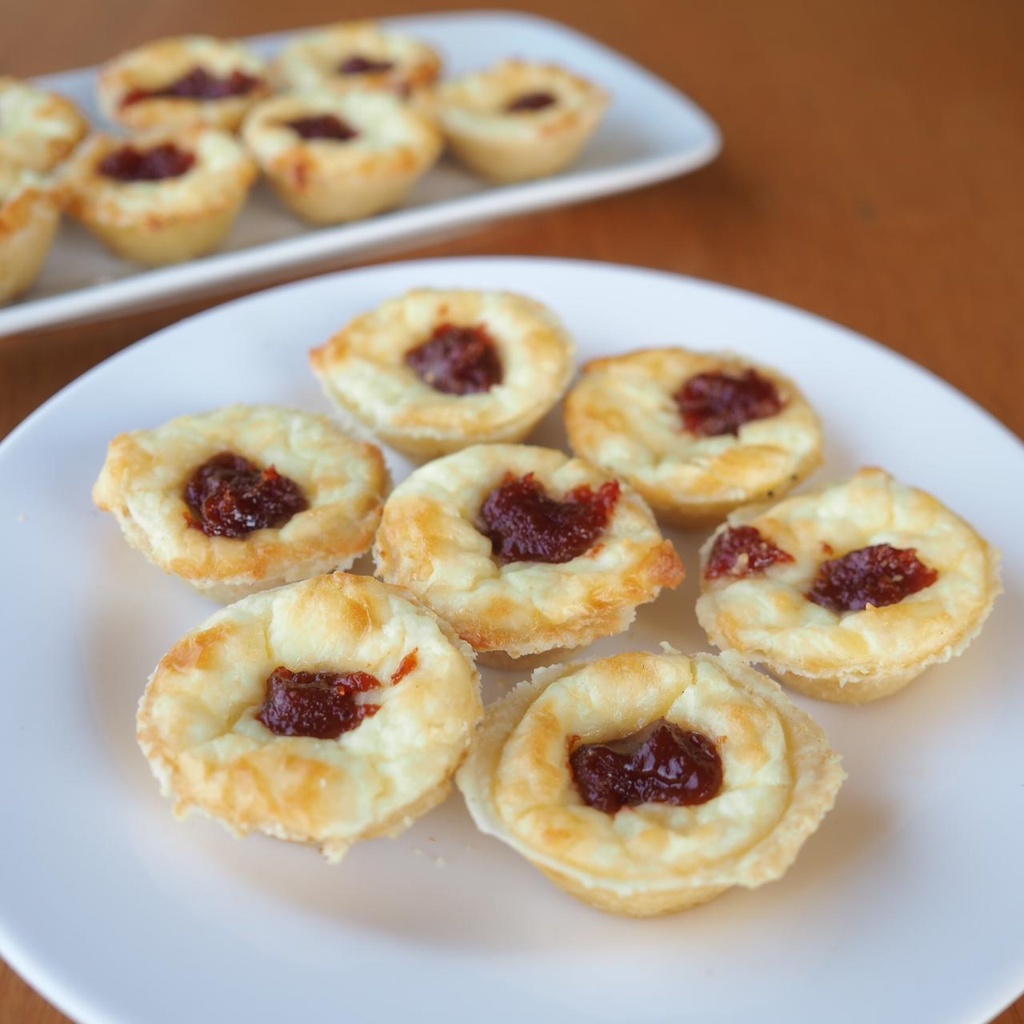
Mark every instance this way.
x=621 y=414
x=166 y=221
x=428 y=541
x=198 y=729
x=38 y=129
x=780 y=779
x=329 y=182
x=362 y=369
x=852 y=657
x=509 y=147
x=157 y=64
x=29 y=218
x=344 y=480
x=312 y=61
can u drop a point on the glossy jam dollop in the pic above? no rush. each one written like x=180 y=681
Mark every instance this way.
x=229 y=496
x=879 y=575
x=321 y=705
x=525 y=524
x=129 y=164
x=360 y=65
x=457 y=360
x=660 y=764
x=198 y=84
x=712 y=404
x=740 y=551
x=530 y=101
x=322 y=126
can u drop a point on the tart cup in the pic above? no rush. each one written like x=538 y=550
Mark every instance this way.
x=329 y=181
x=622 y=414
x=157 y=222
x=364 y=369
x=125 y=83
x=344 y=481
x=508 y=146
x=202 y=720
x=779 y=779
x=431 y=541
x=357 y=55
x=767 y=616
x=38 y=129
x=29 y=218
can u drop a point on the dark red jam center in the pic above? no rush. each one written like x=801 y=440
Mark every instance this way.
x=660 y=764
x=317 y=704
x=530 y=101
x=740 y=551
x=457 y=360
x=359 y=65
x=879 y=575
x=131 y=164
x=322 y=126
x=228 y=496
x=198 y=84
x=524 y=524
x=719 y=403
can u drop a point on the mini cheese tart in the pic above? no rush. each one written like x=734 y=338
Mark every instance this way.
x=435 y=371
x=244 y=498
x=849 y=592
x=519 y=120
x=334 y=157
x=182 y=82
x=162 y=197
x=697 y=434
x=38 y=129
x=524 y=550
x=357 y=55
x=644 y=783
x=29 y=218
x=323 y=712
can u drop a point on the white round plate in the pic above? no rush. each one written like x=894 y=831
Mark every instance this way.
x=907 y=905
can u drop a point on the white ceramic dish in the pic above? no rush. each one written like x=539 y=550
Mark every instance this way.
x=905 y=906
x=651 y=132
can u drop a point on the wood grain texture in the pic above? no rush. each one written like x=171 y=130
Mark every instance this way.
x=871 y=174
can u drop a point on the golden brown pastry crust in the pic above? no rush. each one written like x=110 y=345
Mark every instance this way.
x=38 y=129
x=852 y=657
x=198 y=730
x=158 y=64
x=328 y=182
x=780 y=779
x=344 y=481
x=362 y=369
x=166 y=221
x=622 y=415
x=428 y=541
x=312 y=61
x=29 y=218
x=510 y=147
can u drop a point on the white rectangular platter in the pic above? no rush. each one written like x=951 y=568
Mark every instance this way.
x=652 y=132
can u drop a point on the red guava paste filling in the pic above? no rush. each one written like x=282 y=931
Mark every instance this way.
x=879 y=575
x=660 y=764
x=322 y=126
x=130 y=164
x=409 y=662
x=712 y=404
x=457 y=360
x=197 y=84
x=228 y=496
x=317 y=704
x=529 y=102
x=525 y=525
x=740 y=551
x=360 y=65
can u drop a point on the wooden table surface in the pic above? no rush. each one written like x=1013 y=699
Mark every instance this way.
x=872 y=173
